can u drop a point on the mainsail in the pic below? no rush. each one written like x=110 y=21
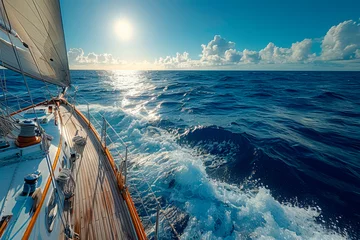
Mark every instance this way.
x=32 y=40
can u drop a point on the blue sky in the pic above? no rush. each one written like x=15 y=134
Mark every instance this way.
x=161 y=29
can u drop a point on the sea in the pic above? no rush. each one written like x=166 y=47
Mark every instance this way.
x=230 y=154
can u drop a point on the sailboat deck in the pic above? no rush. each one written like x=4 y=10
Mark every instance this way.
x=99 y=211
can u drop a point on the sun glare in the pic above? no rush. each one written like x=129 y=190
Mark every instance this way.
x=123 y=30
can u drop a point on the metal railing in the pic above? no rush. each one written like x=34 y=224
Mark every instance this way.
x=152 y=213
x=10 y=102
x=154 y=218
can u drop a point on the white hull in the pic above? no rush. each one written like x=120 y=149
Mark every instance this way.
x=23 y=223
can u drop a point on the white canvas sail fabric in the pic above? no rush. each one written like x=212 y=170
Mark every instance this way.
x=38 y=24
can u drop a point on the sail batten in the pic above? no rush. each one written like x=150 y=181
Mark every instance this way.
x=37 y=25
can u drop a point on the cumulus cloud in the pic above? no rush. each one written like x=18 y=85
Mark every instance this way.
x=357 y=53
x=342 y=41
x=107 y=58
x=182 y=57
x=77 y=56
x=92 y=58
x=268 y=53
x=218 y=51
x=180 y=60
x=232 y=56
x=299 y=52
x=250 y=56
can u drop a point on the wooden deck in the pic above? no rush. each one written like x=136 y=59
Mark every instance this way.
x=99 y=211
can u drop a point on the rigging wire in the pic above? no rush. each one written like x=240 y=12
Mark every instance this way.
x=3 y=83
x=45 y=52
x=5 y=128
x=52 y=175
x=149 y=188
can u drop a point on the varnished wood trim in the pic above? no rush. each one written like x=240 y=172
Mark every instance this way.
x=5 y=224
x=27 y=108
x=139 y=228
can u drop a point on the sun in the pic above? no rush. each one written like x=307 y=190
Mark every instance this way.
x=123 y=29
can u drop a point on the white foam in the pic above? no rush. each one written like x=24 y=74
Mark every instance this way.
x=217 y=210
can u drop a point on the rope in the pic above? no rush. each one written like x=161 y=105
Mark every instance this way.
x=79 y=140
x=6 y=125
x=22 y=73
x=52 y=175
x=149 y=188
x=53 y=183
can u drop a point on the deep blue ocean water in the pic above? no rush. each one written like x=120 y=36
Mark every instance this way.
x=234 y=154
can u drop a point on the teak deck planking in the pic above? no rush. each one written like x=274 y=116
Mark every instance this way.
x=99 y=211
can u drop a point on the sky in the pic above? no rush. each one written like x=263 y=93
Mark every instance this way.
x=199 y=34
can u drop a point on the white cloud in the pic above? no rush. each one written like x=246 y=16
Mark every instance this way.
x=267 y=54
x=281 y=55
x=341 y=41
x=218 y=51
x=300 y=52
x=250 y=56
x=182 y=57
x=179 y=60
x=107 y=58
x=357 y=53
x=91 y=58
x=232 y=56
x=79 y=60
x=77 y=56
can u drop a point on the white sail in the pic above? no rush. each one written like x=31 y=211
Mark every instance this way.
x=35 y=28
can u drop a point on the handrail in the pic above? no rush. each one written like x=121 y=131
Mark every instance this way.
x=120 y=170
x=140 y=231
x=27 y=108
x=111 y=127
x=18 y=97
